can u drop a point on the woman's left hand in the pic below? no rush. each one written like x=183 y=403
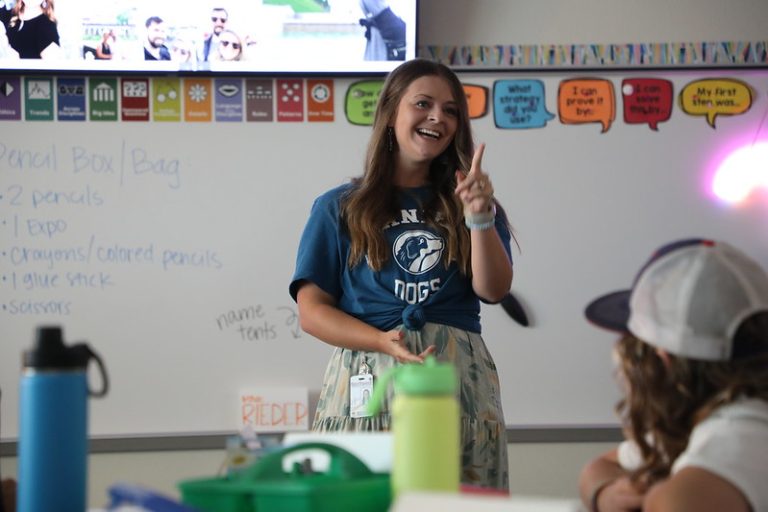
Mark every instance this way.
x=475 y=189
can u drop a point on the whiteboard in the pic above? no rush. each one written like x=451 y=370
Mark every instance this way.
x=174 y=244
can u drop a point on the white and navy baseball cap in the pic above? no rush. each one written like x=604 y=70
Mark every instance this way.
x=688 y=299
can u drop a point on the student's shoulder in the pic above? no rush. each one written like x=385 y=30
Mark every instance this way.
x=697 y=489
x=745 y=413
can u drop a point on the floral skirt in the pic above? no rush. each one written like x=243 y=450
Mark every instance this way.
x=483 y=431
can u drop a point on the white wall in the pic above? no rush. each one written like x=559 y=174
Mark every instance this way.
x=478 y=22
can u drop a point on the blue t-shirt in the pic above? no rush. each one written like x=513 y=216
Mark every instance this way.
x=414 y=285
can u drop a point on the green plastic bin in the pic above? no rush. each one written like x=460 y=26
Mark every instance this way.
x=347 y=485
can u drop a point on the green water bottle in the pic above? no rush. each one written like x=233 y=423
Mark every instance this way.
x=425 y=426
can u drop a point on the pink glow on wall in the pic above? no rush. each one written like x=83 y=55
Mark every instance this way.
x=741 y=173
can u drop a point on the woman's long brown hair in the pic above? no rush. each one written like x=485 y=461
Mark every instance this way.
x=18 y=10
x=664 y=402
x=372 y=201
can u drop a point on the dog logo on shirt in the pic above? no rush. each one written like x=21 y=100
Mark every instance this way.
x=417 y=252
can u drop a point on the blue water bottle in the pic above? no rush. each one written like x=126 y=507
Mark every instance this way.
x=53 y=434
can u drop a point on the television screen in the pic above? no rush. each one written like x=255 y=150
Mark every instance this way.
x=221 y=36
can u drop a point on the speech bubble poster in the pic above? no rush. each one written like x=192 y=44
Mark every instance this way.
x=647 y=101
x=477 y=100
x=360 y=101
x=713 y=97
x=587 y=100
x=519 y=104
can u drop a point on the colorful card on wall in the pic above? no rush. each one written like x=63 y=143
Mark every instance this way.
x=519 y=104
x=70 y=99
x=229 y=99
x=320 y=100
x=10 y=98
x=198 y=99
x=135 y=99
x=477 y=100
x=587 y=100
x=360 y=101
x=647 y=101
x=259 y=99
x=166 y=99
x=712 y=97
x=290 y=100
x=38 y=104
x=103 y=98
x=274 y=409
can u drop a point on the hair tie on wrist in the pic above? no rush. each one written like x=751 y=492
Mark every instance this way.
x=481 y=221
x=479 y=226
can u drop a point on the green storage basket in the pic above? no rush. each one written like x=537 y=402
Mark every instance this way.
x=348 y=484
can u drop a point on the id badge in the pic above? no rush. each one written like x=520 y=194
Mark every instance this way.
x=360 y=391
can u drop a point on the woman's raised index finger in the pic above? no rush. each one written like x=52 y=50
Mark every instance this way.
x=477 y=158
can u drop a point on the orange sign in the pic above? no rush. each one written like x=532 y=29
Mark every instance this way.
x=589 y=100
x=477 y=100
x=198 y=99
x=320 y=100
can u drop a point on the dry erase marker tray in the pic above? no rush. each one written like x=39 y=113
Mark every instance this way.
x=348 y=484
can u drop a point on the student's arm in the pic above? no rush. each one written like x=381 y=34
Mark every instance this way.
x=491 y=267
x=320 y=317
x=695 y=489
x=604 y=486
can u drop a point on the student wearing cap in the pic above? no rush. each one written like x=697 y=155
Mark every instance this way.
x=693 y=364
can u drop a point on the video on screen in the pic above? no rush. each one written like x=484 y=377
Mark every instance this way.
x=239 y=36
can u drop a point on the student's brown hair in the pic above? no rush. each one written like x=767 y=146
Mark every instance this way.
x=18 y=10
x=664 y=401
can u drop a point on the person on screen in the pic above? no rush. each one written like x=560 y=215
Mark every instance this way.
x=693 y=364
x=31 y=29
x=154 y=45
x=104 y=50
x=384 y=31
x=182 y=51
x=392 y=266
x=229 y=48
x=219 y=17
x=6 y=52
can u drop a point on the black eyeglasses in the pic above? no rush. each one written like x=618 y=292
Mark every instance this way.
x=236 y=46
x=218 y=18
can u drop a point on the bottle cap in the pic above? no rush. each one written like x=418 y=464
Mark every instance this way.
x=50 y=352
x=428 y=378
